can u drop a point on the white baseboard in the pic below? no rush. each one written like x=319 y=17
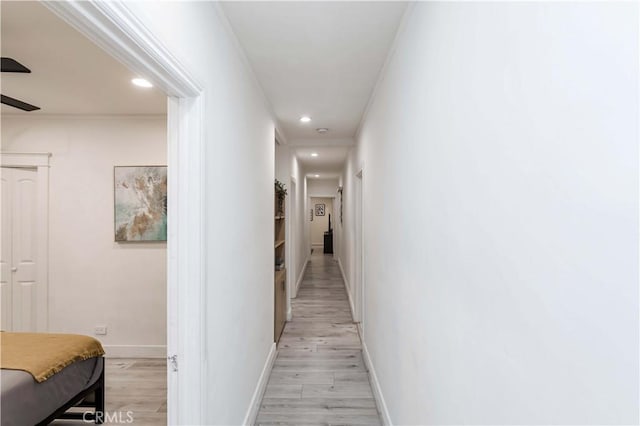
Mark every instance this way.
x=254 y=406
x=346 y=288
x=300 y=277
x=375 y=385
x=135 y=351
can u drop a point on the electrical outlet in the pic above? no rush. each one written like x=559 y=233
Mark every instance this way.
x=101 y=330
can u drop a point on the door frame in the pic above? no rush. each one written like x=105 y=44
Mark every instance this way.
x=359 y=250
x=312 y=207
x=116 y=29
x=39 y=162
x=292 y=243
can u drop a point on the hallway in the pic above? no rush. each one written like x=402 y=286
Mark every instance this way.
x=473 y=164
x=319 y=376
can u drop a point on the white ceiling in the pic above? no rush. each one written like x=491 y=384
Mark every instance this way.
x=328 y=163
x=69 y=74
x=316 y=58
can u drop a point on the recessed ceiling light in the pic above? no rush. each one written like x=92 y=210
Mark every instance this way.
x=141 y=82
x=305 y=119
x=322 y=130
x=314 y=154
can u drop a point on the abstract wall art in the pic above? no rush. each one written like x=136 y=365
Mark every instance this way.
x=140 y=203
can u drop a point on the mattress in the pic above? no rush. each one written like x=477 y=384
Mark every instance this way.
x=23 y=401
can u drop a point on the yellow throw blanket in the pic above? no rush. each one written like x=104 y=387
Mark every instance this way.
x=43 y=354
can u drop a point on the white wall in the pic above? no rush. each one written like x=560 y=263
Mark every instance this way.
x=93 y=280
x=346 y=235
x=283 y=171
x=300 y=246
x=338 y=228
x=239 y=172
x=323 y=187
x=502 y=268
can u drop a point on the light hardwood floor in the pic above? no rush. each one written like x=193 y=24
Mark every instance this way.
x=319 y=376
x=138 y=386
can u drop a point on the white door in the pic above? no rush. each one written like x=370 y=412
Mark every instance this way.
x=18 y=282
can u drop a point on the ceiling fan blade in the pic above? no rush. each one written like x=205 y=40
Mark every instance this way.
x=11 y=65
x=17 y=104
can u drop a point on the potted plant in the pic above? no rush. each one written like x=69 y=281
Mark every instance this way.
x=281 y=192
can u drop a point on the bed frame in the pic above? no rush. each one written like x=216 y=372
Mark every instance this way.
x=97 y=389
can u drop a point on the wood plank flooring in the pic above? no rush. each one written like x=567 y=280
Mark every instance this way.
x=319 y=376
x=138 y=386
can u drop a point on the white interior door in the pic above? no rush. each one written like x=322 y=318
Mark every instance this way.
x=5 y=254
x=19 y=249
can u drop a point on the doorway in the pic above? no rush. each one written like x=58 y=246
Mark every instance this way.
x=113 y=27
x=19 y=283
x=322 y=223
x=359 y=252
x=293 y=245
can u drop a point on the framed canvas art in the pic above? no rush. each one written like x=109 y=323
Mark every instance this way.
x=319 y=209
x=140 y=203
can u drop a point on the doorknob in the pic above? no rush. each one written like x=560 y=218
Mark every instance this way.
x=14 y=269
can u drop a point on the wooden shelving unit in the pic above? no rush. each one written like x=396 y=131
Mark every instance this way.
x=280 y=276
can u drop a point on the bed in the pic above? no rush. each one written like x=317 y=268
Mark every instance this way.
x=43 y=375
